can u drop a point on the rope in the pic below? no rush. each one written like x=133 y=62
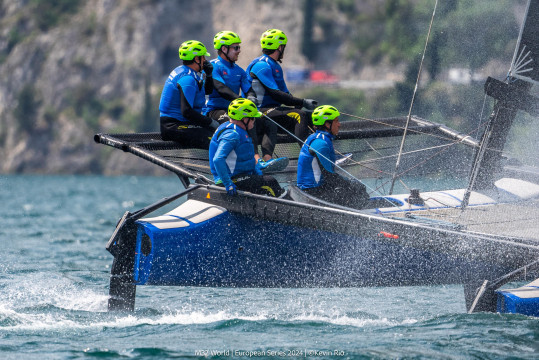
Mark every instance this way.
x=444 y=147
x=477 y=163
x=412 y=102
x=481 y=115
x=476 y=130
x=400 y=127
x=318 y=153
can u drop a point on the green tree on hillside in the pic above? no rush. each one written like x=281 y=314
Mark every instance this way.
x=477 y=31
x=49 y=13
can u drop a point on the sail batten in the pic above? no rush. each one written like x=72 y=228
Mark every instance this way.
x=525 y=63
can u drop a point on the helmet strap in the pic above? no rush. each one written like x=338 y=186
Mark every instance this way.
x=330 y=126
x=246 y=123
x=280 y=58
x=281 y=53
x=226 y=54
x=199 y=63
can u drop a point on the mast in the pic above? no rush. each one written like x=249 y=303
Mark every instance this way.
x=511 y=96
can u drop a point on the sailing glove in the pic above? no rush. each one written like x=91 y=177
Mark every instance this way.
x=207 y=67
x=310 y=104
x=231 y=190
x=252 y=98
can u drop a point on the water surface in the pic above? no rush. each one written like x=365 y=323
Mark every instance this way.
x=54 y=277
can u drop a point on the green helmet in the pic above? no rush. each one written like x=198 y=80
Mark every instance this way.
x=242 y=108
x=271 y=39
x=189 y=49
x=225 y=38
x=324 y=113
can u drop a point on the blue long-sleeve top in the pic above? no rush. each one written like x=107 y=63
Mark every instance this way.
x=230 y=75
x=318 y=149
x=231 y=154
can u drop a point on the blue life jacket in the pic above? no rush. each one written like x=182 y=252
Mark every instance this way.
x=192 y=84
x=269 y=73
x=232 y=76
x=231 y=153
x=309 y=172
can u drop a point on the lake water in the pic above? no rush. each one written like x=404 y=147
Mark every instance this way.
x=54 y=278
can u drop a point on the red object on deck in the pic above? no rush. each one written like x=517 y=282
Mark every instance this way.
x=389 y=235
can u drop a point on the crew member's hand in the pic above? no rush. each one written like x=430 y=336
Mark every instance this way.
x=310 y=104
x=231 y=190
x=258 y=168
x=252 y=98
x=213 y=125
x=207 y=67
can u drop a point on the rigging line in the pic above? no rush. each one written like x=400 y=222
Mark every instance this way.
x=382 y=186
x=407 y=153
x=477 y=161
x=481 y=116
x=413 y=99
x=354 y=162
x=373 y=148
x=404 y=184
x=446 y=147
x=303 y=143
x=359 y=163
x=452 y=142
x=336 y=165
x=363 y=162
x=402 y=128
x=375 y=151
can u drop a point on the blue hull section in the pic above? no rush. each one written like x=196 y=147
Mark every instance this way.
x=233 y=250
x=523 y=300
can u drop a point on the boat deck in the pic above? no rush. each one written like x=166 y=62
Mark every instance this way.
x=505 y=220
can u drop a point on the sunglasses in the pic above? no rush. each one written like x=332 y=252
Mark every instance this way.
x=236 y=47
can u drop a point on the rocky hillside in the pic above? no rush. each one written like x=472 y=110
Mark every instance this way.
x=72 y=68
x=99 y=66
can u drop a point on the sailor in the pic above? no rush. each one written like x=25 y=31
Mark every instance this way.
x=232 y=161
x=266 y=77
x=316 y=164
x=228 y=79
x=183 y=97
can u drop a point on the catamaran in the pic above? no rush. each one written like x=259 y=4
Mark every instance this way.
x=483 y=234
